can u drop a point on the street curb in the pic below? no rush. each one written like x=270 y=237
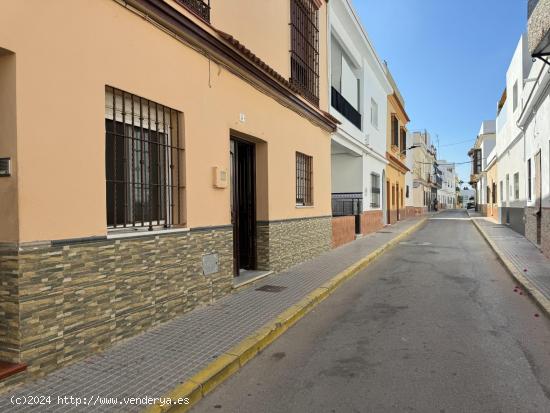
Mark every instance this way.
x=231 y=361
x=540 y=299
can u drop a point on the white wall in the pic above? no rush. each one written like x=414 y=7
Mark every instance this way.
x=536 y=124
x=347 y=173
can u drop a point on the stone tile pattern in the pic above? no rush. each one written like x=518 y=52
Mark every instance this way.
x=77 y=299
x=371 y=221
x=343 y=230
x=9 y=305
x=531 y=228
x=521 y=252
x=282 y=244
x=156 y=361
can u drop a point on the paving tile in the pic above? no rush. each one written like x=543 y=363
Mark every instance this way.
x=179 y=348
x=521 y=252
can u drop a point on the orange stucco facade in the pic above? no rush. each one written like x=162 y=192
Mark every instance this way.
x=52 y=113
x=396 y=155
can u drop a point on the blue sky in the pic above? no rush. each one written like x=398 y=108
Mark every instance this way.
x=449 y=59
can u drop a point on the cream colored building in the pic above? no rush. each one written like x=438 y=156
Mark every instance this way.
x=153 y=150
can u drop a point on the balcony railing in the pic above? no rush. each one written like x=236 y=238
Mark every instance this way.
x=199 y=7
x=340 y=103
x=347 y=203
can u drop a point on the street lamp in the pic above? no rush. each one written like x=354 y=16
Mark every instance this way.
x=410 y=147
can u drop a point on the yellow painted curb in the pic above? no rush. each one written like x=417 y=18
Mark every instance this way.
x=540 y=299
x=232 y=360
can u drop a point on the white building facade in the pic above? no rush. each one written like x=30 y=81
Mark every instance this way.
x=359 y=90
x=510 y=142
x=534 y=121
x=446 y=195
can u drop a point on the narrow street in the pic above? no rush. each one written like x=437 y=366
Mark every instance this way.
x=434 y=325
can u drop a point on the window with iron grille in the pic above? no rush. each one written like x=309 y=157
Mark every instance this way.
x=199 y=7
x=394 y=130
x=143 y=162
x=403 y=148
x=494 y=190
x=529 y=179
x=304 y=51
x=516 y=185
x=304 y=179
x=477 y=161
x=375 y=190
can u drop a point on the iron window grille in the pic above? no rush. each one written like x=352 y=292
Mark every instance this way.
x=304 y=51
x=477 y=161
x=395 y=130
x=304 y=179
x=375 y=190
x=403 y=147
x=516 y=185
x=347 y=203
x=200 y=7
x=494 y=192
x=143 y=156
x=529 y=178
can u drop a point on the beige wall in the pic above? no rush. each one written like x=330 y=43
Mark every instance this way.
x=87 y=44
x=8 y=148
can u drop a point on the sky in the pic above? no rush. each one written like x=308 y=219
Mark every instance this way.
x=449 y=59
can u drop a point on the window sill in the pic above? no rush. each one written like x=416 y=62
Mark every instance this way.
x=121 y=234
x=304 y=206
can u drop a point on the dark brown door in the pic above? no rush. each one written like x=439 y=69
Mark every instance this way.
x=243 y=204
x=398 y=200
x=388 y=203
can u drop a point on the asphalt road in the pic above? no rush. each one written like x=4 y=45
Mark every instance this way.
x=434 y=325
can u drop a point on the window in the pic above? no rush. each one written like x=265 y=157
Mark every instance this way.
x=393 y=195
x=494 y=192
x=304 y=176
x=515 y=96
x=375 y=190
x=516 y=185
x=394 y=130
x=374 y=113
x=488 y=194
x=476 y=161
x=304 y=53
x=401 y=192
x=529 y=179
x=199 y=7
x=407 y=191
x=501 y=191
x=142 y=162
x=403 y=141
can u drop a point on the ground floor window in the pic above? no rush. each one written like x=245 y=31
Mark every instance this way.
x=143 y=162
x=375 y=190
x=516 y=185
x=304 y=179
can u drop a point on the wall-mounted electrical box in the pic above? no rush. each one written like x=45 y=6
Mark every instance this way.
x=5 y=167
x=220 y=177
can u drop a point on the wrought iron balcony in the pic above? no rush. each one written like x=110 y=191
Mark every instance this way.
x=340 y=103
x=200 y=7
x=347 y=203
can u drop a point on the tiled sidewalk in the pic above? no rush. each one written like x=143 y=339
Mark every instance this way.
x=153 y=363
x=518 y=250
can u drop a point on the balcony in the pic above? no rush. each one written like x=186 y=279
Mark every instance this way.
x=348 y=203
x=340 y=103
x=200 y=7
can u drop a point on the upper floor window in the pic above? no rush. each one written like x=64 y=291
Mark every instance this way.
x=374 y=113
x=304 y=51
x=304 y=179
x=143 y=162
x=200 y=7
x=394 y=130
x=476 y=162
x=403 y=141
